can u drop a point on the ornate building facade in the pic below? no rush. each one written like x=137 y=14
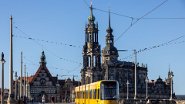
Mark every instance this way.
x=113 y=69
x=42 y=83
x=91 y=70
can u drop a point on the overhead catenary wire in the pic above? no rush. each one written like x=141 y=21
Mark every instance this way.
x=135 y=18
x=165 y=18
x=171 y=42
x=50 y=67
x=130 y=17
x=106 y=11
x=26 y=35
x=33 y=63
x=149 y=12
x=86 y=3
x=61 y=58
x=42 y=40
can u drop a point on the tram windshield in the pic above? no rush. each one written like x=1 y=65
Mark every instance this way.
x=109 y=90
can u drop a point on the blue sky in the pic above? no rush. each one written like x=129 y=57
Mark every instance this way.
x=50 y=23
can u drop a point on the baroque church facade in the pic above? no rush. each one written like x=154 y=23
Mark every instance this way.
x=104 y=65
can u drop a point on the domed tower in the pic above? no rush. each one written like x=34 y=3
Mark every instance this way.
x=91 y=70
x=109 y=53
x=109 y=56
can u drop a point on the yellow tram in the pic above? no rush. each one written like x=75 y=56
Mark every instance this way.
x=100 y=92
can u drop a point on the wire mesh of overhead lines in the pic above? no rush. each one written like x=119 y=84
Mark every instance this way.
x=133 y=20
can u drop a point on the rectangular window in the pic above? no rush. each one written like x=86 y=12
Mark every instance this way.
x=94 y=61
x=94 y=93
x=98 y=93
x=90 y=38
x=109 y=91
x=89 y=61
x=83 y=94
x=90 y=94
x=87 y=94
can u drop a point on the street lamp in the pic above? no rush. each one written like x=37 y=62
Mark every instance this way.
x=127 y=88
x=146 y=81
x=15 y=86
x=135 y=72
x=171 y=79
x=2 y=78
x=135 y=54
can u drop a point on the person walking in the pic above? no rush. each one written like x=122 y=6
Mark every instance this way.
x=53 y=100
x=43 y=99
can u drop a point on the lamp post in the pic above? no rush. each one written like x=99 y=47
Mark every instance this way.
x=135 y=72
x=21 y=95
x=27 y=86
x=146 y=81
x=15 y=86
x=24 y=95
x=135 y=54
x=171 y=92
x=2 y=78
x=127 y=88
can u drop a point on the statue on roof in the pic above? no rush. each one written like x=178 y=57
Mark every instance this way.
x=43 y=58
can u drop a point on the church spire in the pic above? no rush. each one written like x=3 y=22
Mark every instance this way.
x=91 y=17
x=109 y=19
x=109 y=52
x=43 y=59
x=109 y=37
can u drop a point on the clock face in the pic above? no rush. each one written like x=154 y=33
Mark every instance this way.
x=42 y=81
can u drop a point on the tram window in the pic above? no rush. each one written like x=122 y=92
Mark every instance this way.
x=82 y=96
x=98 y=94
x=76 y=94
x=109 y=90
x=90 y=94
x=79 y=94
x=94 y=93
x=86 y=95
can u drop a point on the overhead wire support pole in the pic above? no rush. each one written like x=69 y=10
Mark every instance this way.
x=146 y=81
x=171 y=91
x=24 y=81
x=21 y=75
x=10 y=99
x=135 y=72
x=135 y=94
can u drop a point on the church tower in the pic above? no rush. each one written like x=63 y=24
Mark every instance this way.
x=91 y=70
x=109 y=53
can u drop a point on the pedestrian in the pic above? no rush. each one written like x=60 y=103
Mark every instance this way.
x=53 y=100
x=43 y=99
